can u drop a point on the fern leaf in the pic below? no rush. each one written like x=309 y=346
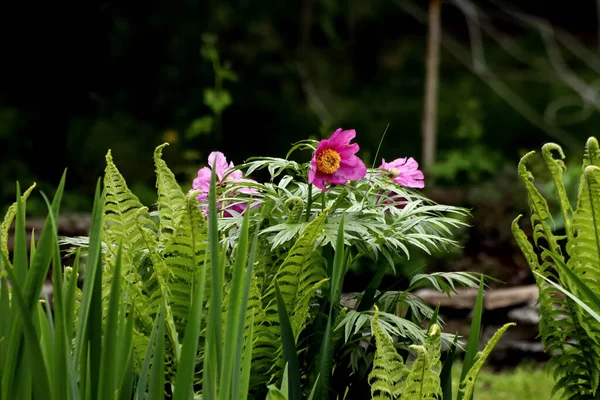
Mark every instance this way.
x=468 y=384
x=299 y=276
x=121 y=211
x=183 y=255
x=423 y=380
x=388 y=367
x=162 y=294
x=171 y=199
x=560 y=331
x=557 y=168
x=584 y=252
x=7 y=222
x=540 y=213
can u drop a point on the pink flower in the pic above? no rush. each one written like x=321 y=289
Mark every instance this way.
x=334 y=161
x=224 y=176
x=405 y=172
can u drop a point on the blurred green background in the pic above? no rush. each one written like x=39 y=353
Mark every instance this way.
x=251 y=78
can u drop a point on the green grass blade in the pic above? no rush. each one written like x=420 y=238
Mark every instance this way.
x=108 y=359
x=189 y=349
x=45 y=332
x=61 y=352
x=244 y=383
x=157 y=371
x=142 y=384
x=88 y=339
x=235 y=317
x=325 y=354
x=36 y=276
x=240 y=386
x=474 y=333
x=36 y=363
x=125 y=364
x=446 y=373
x=313 y=391
x=214 y=340
x=40 y=262
x=4 y=319
x=289 y=348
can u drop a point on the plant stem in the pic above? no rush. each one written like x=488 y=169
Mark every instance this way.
x=309 y=203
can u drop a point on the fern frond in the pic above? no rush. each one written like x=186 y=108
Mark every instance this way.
x=423 y=380
x=388 y=370
x=557 y=168
x=300 y=276
x=540 y=213
x=171 y=199
x=7 y=222
x=184 y=255
x=572 y=360
x=468 y=384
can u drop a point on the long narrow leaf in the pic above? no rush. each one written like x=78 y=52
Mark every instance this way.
x=108 y=362
x=189 y=349
x=235 y=317
x=289 y=348
x=157 y=372
x=214 y=342
x=36 y=363
x=240 y=384
x=474 y=333
x=446 y=373
x=89 y=304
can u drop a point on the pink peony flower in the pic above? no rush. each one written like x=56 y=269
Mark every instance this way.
x=334 y=161
x=202 y=183
x=405 y=172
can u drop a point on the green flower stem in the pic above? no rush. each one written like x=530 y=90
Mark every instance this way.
x=309 y=203
x=323 y=200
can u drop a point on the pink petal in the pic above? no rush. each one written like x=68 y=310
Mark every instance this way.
x=342 y=138
x=202 y=182
x=352 y=172
x=217 y=160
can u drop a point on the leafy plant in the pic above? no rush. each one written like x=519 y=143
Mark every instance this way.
x=566 y=263
x=232 y=289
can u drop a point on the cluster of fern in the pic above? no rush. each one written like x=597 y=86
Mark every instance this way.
x=187 y=303
x=565 y=263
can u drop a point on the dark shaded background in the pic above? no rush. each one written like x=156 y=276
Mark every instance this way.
x=79 y=78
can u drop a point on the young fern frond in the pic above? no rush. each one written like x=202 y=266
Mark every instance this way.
x=468 y=384
x=566 y=330
x=171 y=200
x=184 y=255
x=423 y=381
x=389 y=370
x=299 y=277
x=558 y=328
x=7 y=222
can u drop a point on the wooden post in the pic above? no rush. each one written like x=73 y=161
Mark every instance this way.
x=431 y=84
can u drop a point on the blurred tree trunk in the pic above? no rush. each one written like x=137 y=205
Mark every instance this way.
x=431 y=84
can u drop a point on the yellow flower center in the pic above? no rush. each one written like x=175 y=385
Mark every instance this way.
x=328 y=161
x=394 y=172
